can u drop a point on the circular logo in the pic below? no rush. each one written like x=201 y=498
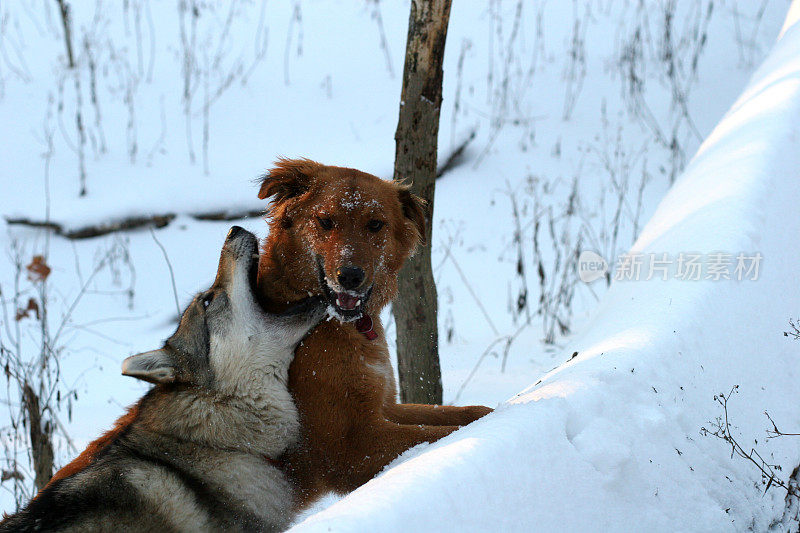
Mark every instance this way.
x=591 y=266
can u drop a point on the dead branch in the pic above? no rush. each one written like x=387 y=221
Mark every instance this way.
x=171 y=271
x=41 y=441
x=795 y=332
x=66 y=21
x=88 y=232
x=721 y=428
x=455 y=158
x=158 y=221
x=775 y=432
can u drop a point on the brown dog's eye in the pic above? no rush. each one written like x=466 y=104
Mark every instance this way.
x=375 y=225
x=325 y=223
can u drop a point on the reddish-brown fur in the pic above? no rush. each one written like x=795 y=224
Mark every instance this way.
x=95 y=447
x=341 y=381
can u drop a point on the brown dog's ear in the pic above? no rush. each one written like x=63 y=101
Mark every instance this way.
x=289 y=178
x=414 y=210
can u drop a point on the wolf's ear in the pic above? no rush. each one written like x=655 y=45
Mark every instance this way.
x=157 y=366
x=289 y=178
x=414 y=210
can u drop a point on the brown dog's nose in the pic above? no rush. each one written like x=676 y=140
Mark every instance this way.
x=349 y=277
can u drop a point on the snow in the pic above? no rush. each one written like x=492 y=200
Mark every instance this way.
x=567 y=442
x=610 y=440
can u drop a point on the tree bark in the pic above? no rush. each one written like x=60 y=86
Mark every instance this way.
x=415 y=160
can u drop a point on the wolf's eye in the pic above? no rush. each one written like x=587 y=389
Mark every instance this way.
x=375 y=225
x=325 y=223
x=207 y=299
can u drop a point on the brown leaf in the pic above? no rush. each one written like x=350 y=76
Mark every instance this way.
x=11 y=474
x=38 y=270
x=33 y=306
x=25 y=313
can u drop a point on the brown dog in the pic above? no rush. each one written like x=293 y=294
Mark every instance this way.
x=344 y=234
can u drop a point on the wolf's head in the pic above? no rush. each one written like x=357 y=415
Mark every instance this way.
x=225 y=340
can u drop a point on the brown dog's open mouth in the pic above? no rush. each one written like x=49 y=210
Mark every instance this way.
x=346 y=306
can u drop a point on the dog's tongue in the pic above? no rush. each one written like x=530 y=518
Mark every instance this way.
x=345 y=301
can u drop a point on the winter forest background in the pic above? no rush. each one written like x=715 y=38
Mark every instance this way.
x=132 y=134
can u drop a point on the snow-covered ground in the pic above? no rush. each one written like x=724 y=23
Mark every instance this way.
x=611 y=440
x=582 y=111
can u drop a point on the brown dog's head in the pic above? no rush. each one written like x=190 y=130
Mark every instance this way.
x=338 y=232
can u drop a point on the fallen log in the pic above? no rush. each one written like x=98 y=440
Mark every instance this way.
x=135 y=222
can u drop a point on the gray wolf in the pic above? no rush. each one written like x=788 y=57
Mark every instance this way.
x=197 y=452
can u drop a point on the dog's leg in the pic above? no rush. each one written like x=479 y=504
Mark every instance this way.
x=377 y=444
x=434 y=415
x=346 y=457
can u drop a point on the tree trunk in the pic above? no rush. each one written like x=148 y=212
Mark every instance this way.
x=415 y=160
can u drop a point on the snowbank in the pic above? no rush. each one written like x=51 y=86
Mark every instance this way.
x=611 y=440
